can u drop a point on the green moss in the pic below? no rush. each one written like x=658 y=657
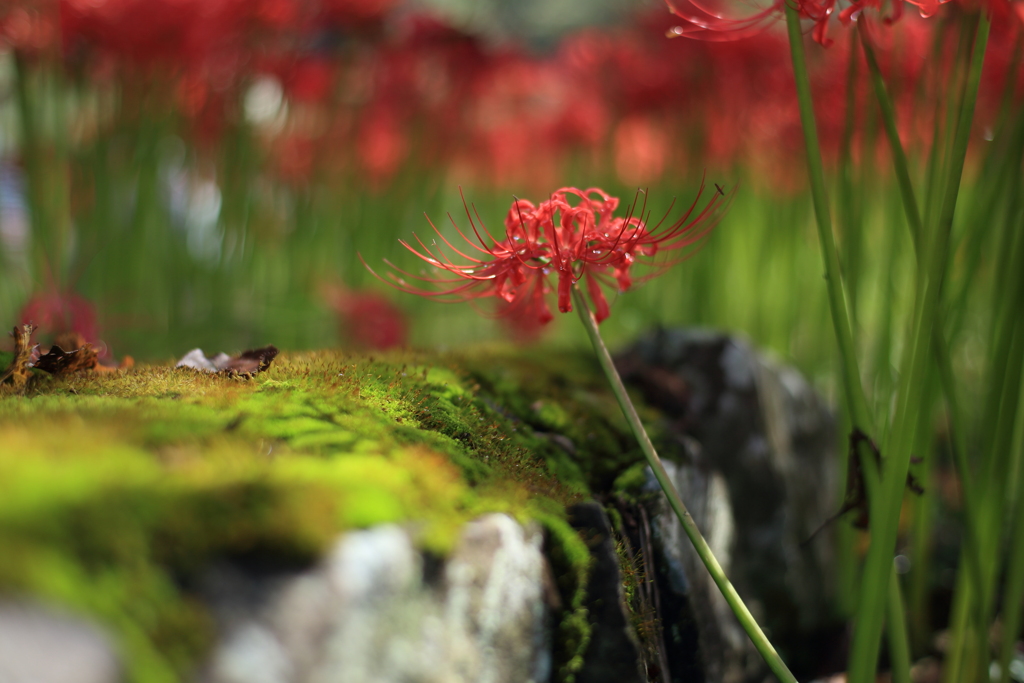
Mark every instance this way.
x=631 y=480
x=643 y=617
x=119 y=488
x=562 y=400
x=570 y=563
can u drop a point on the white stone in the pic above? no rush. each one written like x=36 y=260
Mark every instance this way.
x=367 y=614
x=39 y=645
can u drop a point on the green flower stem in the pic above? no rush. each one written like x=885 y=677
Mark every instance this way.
x=746 y=619
x=940 y=346
x=1007 y=105
x=1013 y=596
x=865 y=646
x=1003 y=455
x=854 y=390
x=899 y=157
x=962 y=137
x=848 y=201
x=1013 y=593
x=899 y=645
x=879 y=587
x=955 y=82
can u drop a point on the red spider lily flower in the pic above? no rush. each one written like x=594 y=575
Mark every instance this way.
x=526 y=319
x=573 y=235
x=705 y=20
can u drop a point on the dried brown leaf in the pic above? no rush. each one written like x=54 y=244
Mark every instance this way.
x=251 y=362
x=57 y=361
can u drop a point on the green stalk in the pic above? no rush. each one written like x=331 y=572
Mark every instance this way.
x=1003 y=452
x=1013 y=597
x=848 y=201
x=1006 y=107
x=885 y=506
x=970 y=645
x=899 y=645
x=941 y=151
x=964 y=597
x=864 y=650
x=940 y=346
x=892 y=256
x=899 y=156
x=992 y=217
x=1007 y=298
x=855 y=397
x=922 y=524
x=746 y=619
x=874 y=585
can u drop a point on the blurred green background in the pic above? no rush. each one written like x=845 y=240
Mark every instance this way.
x=208 y=190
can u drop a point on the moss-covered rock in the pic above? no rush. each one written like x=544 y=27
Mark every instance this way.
x=119 y=488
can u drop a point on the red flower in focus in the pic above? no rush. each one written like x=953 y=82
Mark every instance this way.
x=706 y=21
x=366 y=319
x=571 y=236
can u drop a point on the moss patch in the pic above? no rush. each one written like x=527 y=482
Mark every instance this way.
x=570 y=562
x=119 y=488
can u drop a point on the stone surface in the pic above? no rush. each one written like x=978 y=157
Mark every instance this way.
x=41 y=645
x=757 y=470
x=613 y=654
x=725 y=652
x=752 y=461
x=378 y=610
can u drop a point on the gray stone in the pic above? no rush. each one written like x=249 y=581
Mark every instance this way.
x=41 y=645
x=726 y=653
x=378 y=610
x=613 y=653
x=757 y=469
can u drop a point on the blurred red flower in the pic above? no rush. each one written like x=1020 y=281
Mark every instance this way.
x=641 y=148
x=141 y=29
x=381 y=144
x=710 y=20
x=56 y=312
x=356 y=12
x=30 y=27
x=367 y=320
x=310 y=80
